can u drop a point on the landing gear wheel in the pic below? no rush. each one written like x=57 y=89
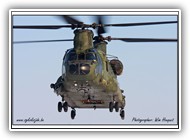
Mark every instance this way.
x=111 y=106
x=73 y=114
x=116 y=106
x=65 y=106
x=59 y=106
x=122 y=114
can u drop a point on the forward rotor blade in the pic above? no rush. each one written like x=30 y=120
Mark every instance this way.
x=72 y=20
x=41 y=26
x=145 y=39
x=41 y=41
x=101 y=28
x=140 y=24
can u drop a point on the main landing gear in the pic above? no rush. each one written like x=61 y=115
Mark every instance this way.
x=63 y=106
x=73 y=113
x=122 y=114
x=115 y=105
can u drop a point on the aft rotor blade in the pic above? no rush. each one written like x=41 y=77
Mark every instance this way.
x=41 y=26
x=140 y=24
x=41 y=41
x=145 y=39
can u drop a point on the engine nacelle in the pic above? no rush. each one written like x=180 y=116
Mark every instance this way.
x=117 y=66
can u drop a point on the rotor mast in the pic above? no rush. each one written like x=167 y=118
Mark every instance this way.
x=83 y=40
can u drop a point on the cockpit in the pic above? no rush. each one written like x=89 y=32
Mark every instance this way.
x=89 y=55
x=80 y=64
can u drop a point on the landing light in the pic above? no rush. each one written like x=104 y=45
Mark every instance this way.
x=75 y=84
x=84 y=68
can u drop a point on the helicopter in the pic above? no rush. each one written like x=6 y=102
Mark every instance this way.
x=89 y=77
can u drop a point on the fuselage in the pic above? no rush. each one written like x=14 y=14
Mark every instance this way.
x=87 y=77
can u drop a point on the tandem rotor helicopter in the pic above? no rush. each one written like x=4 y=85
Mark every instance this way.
x=89 y=76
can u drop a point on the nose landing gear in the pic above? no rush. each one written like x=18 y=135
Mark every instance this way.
x=64 y=106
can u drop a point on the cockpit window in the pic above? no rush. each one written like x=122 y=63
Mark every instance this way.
x=81 y=56
x=90 y=56
x=74 y=69
x=72 y=56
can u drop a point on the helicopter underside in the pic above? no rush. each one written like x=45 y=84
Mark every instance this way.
x=85 y=96
x=90 y=97
x=97 y=99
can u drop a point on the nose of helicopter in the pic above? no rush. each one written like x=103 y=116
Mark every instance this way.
x=80 y=75
x=78 y=71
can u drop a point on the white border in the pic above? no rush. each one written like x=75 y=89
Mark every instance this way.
x=93 y=127
x=10 y=67
x=95 y=11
